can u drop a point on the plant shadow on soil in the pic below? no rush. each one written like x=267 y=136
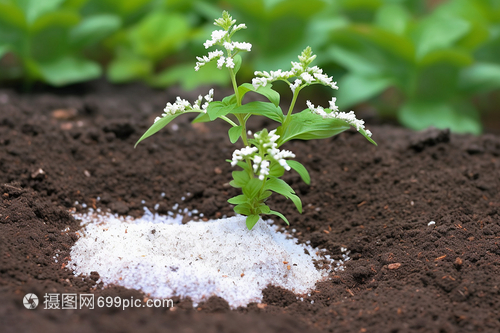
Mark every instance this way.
x=404 y=275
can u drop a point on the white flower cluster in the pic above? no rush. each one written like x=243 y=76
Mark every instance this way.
x=217 y=36
x=202 y=61
x=304 y=75
x=240 y=154
x=262 y=161
x=182 y=105
x=349 y=118
x=223 y=38
x=241 y=46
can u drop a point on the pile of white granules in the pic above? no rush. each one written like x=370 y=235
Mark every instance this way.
x=163 y=257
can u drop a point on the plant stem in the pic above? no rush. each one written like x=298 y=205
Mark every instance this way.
x=292 y=105
x=241 y=118
x=235 y=87
x=229 y=121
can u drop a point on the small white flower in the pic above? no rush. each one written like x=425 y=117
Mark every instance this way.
x=228 y=46
x=297 y=68
x=197 y=103
x=315 y=70
x=182 y=105
x=295 y=85
x=217 y=36
x=229 y=62
x=307 y=77
x=210 y=96
x=202 y=61
x=333 y=106
x=239 y=154
x=259 y=82
x=256 y=162
x=264 y=169
x=238 y=27
x=326 y=80
x=349 y=118
x=221 y=62
x=243 y=46
x=305 y=58
x=318 y=110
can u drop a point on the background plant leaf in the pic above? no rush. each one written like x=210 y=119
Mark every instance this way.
x=69 y=70
x=460 y=118
x=94 y=28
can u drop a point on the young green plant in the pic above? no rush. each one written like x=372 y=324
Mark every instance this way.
x=261 y=160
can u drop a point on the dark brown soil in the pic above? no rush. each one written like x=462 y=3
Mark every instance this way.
x=60 y=147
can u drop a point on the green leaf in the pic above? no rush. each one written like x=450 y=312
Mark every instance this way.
x=280 y=186
x=358 y=88
x=276 y=170
x=201 y=118
x=264 y=195
x=264 y=209
x=12 y=16
x=189 y=78
x=439 y=30
x=239 y=199
x=370 y=51
x=68 y=70
x=356 y=61
x=267 y=91
x=240 y=178
x=159 y=34
x=438 y=81
x=36 y=8
x=251 y=221
x=393 y=17
x=228 y=100
x=480 y=77
x=243 y=209
x=128 y=67
x=234 y=133
x=459 y=117
x=450 y=57
x=3 y=50
x=301 y=170
x=158 y=125
x=237 y=63
x=266 y=109
x=252 y=187
x=59 y=19
x=279 y=215
x=244 y=166
x=307 y=126
x=94 y=28
x=297 y=202
x=218 y=109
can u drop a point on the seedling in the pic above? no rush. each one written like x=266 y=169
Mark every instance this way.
x=261 y=160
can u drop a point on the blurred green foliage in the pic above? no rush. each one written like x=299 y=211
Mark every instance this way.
x=433 y=63
x=47 y=38
x=420 y=61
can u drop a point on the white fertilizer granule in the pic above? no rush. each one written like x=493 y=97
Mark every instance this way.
x=165 y=258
